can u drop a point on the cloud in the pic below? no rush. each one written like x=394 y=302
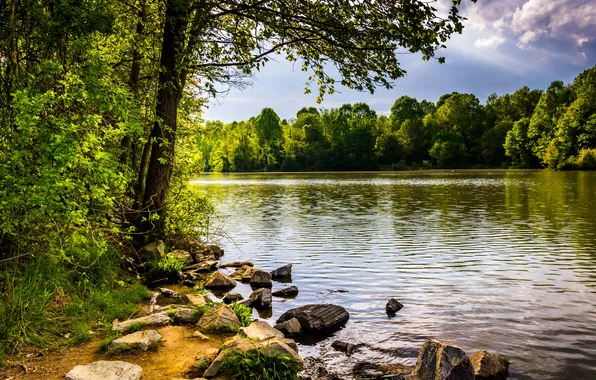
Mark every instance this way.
x=489 y=42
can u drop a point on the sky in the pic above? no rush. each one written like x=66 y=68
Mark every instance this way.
x=505 y=45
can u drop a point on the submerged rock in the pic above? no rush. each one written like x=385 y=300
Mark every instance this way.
x=393 y=306
x=283 y=272
x=261 y=279
x=158 y=319
x=316 y=317
x=237 y=264
x=260 y=330
x=346 y=348
x=220 y=318
x=440 y=361
x=232 y=297
x=105 y=370
x=290 y=291
x=220 y=280
x=489 y=366
x=261 y=298
x=151 y=252
x=142 y=340
x=290 y=327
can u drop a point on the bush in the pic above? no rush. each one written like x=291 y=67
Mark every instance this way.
x=253 y=365
x=585 y=160
x=244 y=313
x=168 y=267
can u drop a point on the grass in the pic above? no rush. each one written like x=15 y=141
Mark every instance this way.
x=244 y=313
x=254 y=365
x=168 y=267
x=198 y=369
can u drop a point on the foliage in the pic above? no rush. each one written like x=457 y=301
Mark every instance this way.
x=585 y=160
x=168 y=267
x=244 y=313
x=254 y=365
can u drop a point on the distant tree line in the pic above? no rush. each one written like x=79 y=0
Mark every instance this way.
x=555 y=129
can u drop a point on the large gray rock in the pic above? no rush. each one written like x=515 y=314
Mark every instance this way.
x=260 y=330
x=290 y=327
x=105 y=370
x=142 y=340
x=158 y=319
x=220 y=318
x=282 y=273
x=440 y=361
x=220 y=281
x=261 y=279
x=290 y=291
x=489 y=366
x=151 y=252
x=316 y=317
x=261 y=298
x=236 y=264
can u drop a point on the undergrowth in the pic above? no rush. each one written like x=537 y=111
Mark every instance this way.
x=244 y=313
x=253 y=365
x=168 y=267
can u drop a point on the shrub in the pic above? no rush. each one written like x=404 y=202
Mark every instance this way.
x=168 y=267
x=244 y=313
x=253 y=365
x=585 y=160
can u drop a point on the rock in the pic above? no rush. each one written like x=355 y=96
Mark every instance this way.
x=138 y=340
x=185 y=315
x=283 y=272
x=243 y=273
x=246 y=302
x=489 y=366
x=197 y=299
x=260 y=330
x=151 y=252
x=237 y=264
x=168 y=293
x=183 y=255
x=261 y=298
x=440 y=361
x=220 y=280
x=203 y=266
x=220 y=318
x=290 y=327
x=290 y=291
x=346 y=348
x=189 y=283
x=158 y=319
x=393 y=306
x=316 y=317
x=105 y=370
x=232 y=297
x=204 y=255
x=261 y=279
x=166 y=308
x=216 y=249
x=199 y=335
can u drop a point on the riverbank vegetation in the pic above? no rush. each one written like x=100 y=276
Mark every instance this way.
x=555 y=128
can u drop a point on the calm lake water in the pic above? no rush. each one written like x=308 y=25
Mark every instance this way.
x=503 y=261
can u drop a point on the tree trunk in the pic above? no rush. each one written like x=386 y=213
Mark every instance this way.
x=163 y=134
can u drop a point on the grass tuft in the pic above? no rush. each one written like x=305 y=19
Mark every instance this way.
x=244 y=313
x=251 y=365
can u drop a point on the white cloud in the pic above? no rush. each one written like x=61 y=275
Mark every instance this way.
x=489 y=42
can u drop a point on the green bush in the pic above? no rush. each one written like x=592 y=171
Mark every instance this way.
x=253 y=365
x=585 y=160
x=244 y=313
x=168 y=267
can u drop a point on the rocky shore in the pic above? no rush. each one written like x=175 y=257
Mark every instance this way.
x=231 y=320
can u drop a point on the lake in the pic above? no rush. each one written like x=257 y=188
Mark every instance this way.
x=496 y=260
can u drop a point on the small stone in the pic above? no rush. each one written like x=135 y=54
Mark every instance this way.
x=197 y=299
x=105 y=370
x=232 y=297
x=169 y=293
x=260 y=330
x=261 y=298
x=158 y=319
x=220 y=280
x=290 y=327
x=142 y=340
x=219 y=318
x=67 y=336
x=489 y=366
x=283 y=272
x=189 y=283
x=440 y=361
x=237 y=264
x=199 y=335
x=393 y=306
x=290 y=291
x=346 y=348
x=261 y=279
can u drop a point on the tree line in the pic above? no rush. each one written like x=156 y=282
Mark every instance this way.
x=555 y=128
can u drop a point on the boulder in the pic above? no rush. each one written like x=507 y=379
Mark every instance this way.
x=220 y=280
x=290 y=291
x=246 y=302
x=393 y=306
x=185 y=315
x=142 y=340
x=261 y=298
x=346 y=348
x=168 y=293
x=243 y=273
x=216 y=249
x=203 y=266
x=182 y=255
x=260 y=330
x=316 y=317
x=199 y=335
x=236 y=264
x=232 y=297
x=219 y=318
x=489 y=366
x=440 y=361
x=283 y=272
x=105 y=370
x=158 y=319
x=260 y=279
x=204 y=255
x=290 y=327
x=197 y=299
x=151 y=252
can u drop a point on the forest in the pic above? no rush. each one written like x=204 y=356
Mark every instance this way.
x=554 y=129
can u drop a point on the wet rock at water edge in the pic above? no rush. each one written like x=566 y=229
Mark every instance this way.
x=346 y=348
x=230 y=297
x=261 y=298
x=216 y=250
x=181 y=255
x=203 y=266
x=282 y=273
x=142 y=340
x=220 y=318
x=151 y=252
x=290 y=327
x=105 y=370
x=237 y=264
x=489 y=366
x=261 y=279
x=220 y=281
x=246 y=302
x=243 y=273
x=158 y=319
x=317 y=317
x=168 y=293
x=260 y=330
x=393 y=306
x=440 y=361
x=290 y=291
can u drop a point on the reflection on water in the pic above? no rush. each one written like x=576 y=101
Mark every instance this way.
x=504 y=261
